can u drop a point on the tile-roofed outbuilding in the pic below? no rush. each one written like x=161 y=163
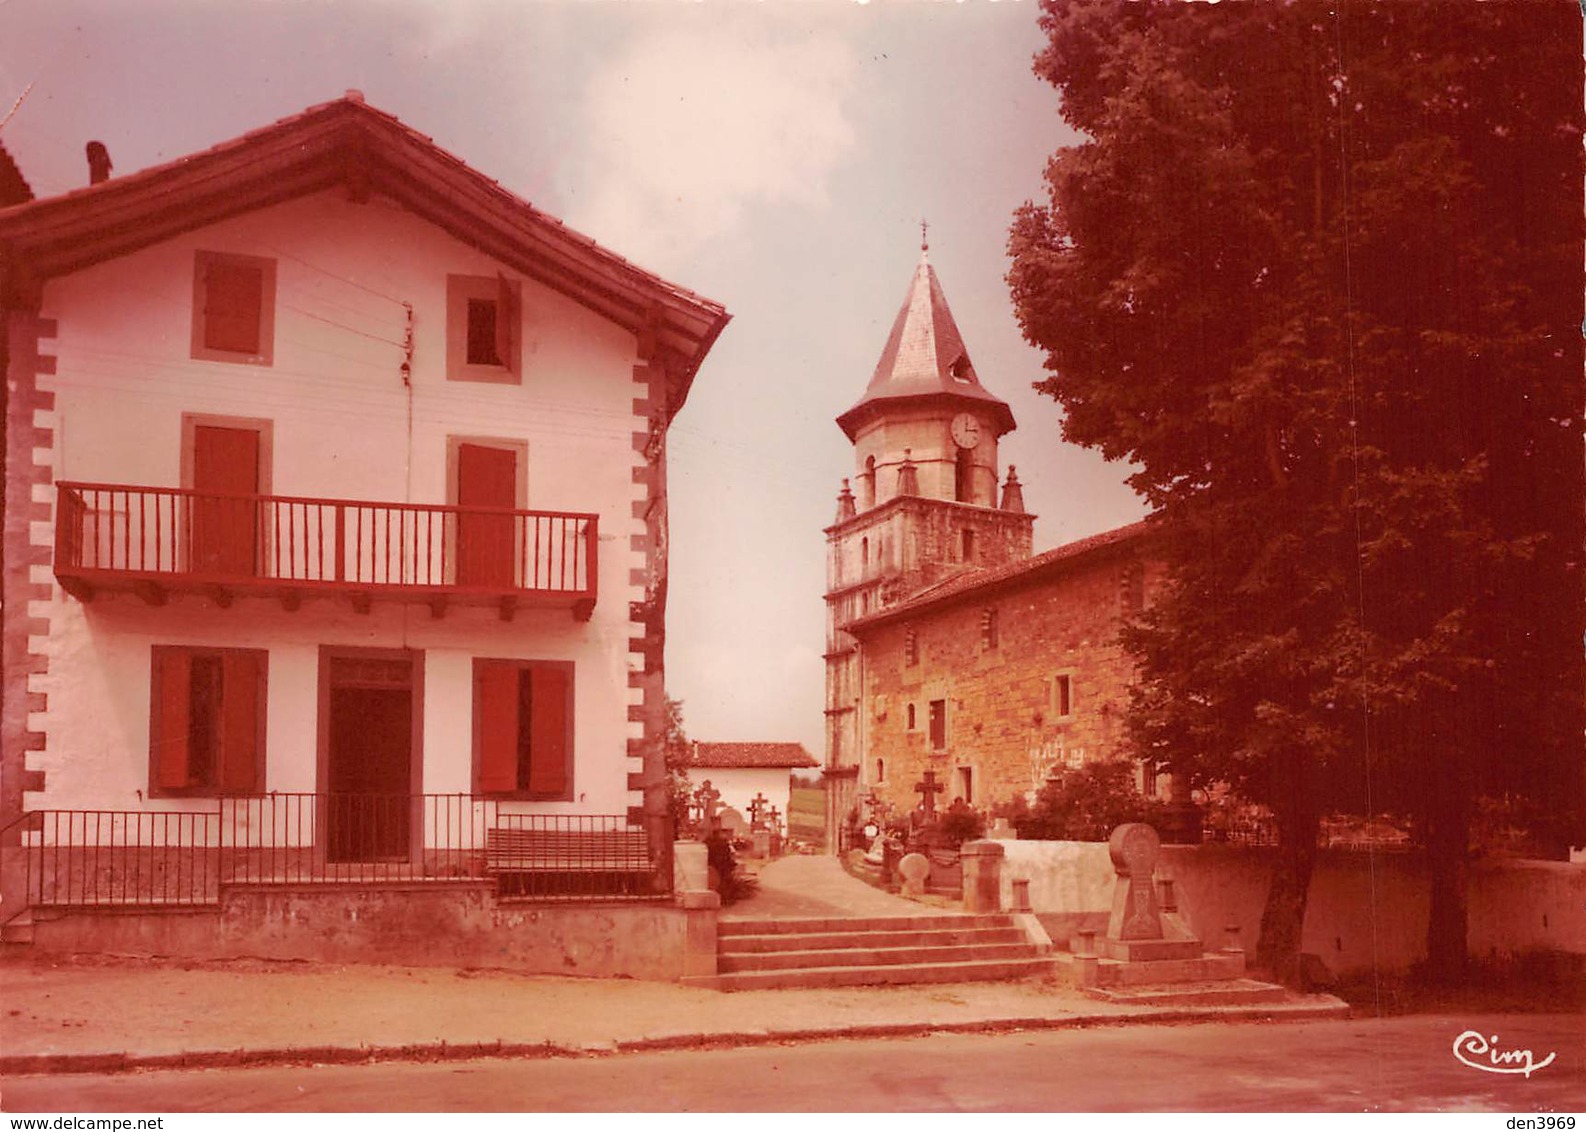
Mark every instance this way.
x=351 y=144
x=743 y=755
x=924 y=358
x=973 y=584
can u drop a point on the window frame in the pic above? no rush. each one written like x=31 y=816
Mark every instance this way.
x=523 y=793
x=1055 y=699
x=218 y=787
x=932 y=718
x=460 y=289
x=201 y=350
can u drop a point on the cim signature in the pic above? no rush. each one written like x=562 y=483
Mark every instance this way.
x=1470 y=1047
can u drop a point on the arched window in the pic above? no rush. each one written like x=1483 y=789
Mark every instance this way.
x=869 y=484
x=910 y=714
x=881 y=771
x=864 y=557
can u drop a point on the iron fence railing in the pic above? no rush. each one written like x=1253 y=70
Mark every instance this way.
x=181 y=858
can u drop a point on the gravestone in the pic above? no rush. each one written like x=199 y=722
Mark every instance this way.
x=928 y=789
x=731 y=822
x=915 y=868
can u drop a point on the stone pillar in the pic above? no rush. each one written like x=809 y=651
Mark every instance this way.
x=691 y=887
x=982 y=862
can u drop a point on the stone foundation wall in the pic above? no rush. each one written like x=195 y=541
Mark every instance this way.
x=1365 y=911
x=434 y=925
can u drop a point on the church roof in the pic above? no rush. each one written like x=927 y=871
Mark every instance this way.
x=925 y=358
x=349 y=143
x=745 y=755
x=973 y=584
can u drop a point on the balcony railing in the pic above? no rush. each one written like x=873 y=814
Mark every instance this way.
x=157 y=540
x=161 y=859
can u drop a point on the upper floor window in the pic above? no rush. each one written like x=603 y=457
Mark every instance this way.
x=1062 y=696
x=911 y=646
x=233 y=308
x=206 y=721
x=483 y=329
x=988 y=629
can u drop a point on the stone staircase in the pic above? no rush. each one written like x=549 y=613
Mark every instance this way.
x=863 y=951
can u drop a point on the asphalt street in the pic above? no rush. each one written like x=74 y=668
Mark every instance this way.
x=1395 y=1064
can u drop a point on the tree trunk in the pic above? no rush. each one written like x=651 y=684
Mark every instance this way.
x=1448 y=860
x=1278 y=949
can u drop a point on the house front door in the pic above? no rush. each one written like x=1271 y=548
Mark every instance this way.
x=369 y=733
x=487 y=489
x=225 y=536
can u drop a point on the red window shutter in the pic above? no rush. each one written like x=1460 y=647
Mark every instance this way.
x=506 y=319
x=173 y=680
x=239 y=727
x=548 y=731
x=233 y=300
x=497 y=692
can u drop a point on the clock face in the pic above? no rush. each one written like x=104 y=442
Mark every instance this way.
x=966 y=431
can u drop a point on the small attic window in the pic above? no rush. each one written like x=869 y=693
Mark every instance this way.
x=233 y=308
x=960 y=370
x=483 y=329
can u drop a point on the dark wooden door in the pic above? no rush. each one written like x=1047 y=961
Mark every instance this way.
x=487 y=478
x=369 y=733
x=225 y=536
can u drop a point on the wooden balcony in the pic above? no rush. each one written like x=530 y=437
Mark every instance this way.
x=160 y=541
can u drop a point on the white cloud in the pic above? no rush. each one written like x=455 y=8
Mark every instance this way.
x=687 y=129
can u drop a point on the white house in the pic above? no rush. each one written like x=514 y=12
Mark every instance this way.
x=742 y=772
x=336 y=497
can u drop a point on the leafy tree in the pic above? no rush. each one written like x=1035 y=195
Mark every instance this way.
x=1316 y=272
x=679 y=749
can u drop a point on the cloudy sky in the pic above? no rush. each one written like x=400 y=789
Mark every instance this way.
x=776 y=157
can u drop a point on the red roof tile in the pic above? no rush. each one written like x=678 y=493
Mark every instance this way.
x=743 y=755
x=349 y=143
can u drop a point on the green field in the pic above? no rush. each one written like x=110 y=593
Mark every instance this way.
x=806 y=817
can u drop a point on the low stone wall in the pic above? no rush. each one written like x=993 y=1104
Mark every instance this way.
x=1365 y=911
x=445 y=924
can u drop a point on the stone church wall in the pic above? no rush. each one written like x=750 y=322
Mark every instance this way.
x=1004 y=721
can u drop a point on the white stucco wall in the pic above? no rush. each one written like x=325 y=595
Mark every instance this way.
x=739 y=785
x=344 y=426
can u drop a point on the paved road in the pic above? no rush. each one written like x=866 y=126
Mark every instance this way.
x=1394 y=1064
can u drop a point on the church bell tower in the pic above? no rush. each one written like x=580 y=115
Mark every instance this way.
x=921 y=506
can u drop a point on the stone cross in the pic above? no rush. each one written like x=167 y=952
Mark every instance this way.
x=757 y=808
x=773 y=817
x=929 y=789
x=707 y=796
x=1138 y=915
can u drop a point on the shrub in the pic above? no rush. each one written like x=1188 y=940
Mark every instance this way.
x=1084 y=803
x=731 y=885
x=960 y=825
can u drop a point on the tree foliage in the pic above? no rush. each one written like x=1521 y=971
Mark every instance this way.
x=1316 y=272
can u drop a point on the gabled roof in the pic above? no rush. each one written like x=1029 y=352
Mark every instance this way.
x=14 y=188
x=978 y=584
x=348 y=143
x=748 y=755
x=924 y=358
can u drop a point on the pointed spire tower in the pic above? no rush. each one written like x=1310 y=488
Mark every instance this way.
x=925 y=436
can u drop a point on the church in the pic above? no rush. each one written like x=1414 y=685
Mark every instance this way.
x=955 y=656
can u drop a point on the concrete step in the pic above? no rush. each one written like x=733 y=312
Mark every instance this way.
x=813 y=924
x=822 y=941
x=1230 y=992
x=731 y=962
x=989 y=970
